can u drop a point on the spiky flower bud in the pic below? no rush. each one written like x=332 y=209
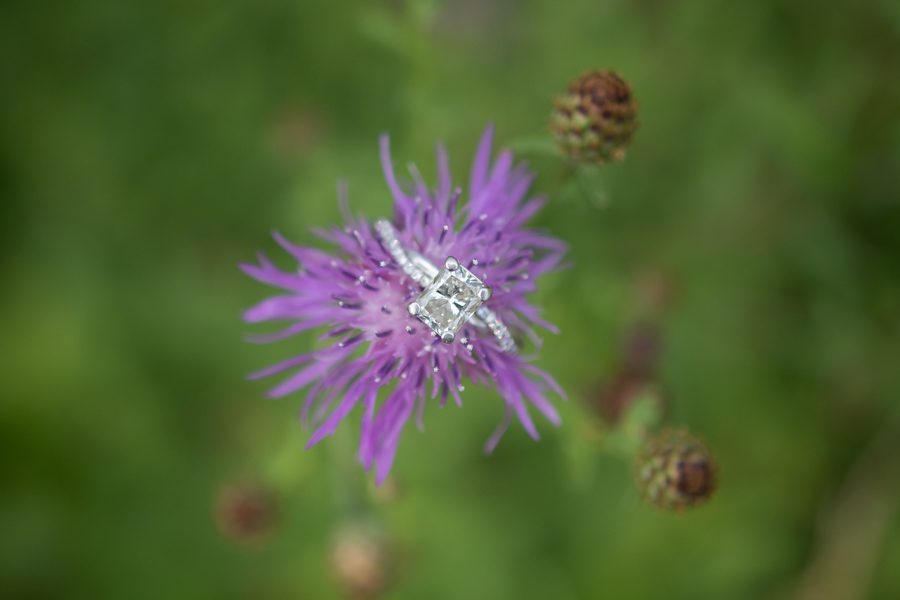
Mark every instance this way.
x=622 y=392
x=361 y=561
x=245 y=512
x=595 y=119
x=675 y=470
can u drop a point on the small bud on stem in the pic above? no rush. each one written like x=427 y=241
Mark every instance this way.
x=594 y=121
x=245 y=513
x=361 y=561
x=675 y=471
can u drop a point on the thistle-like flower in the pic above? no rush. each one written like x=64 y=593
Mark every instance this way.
x=372 y=347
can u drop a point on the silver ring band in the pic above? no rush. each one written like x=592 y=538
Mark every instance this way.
x=424 y=272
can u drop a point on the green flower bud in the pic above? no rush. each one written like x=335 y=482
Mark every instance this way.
x=675 y=471
x=594 y=121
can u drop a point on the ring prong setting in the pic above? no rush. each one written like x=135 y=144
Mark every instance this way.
x=451 y=264
x=414 y=308
x=485 y=293
x=447 y=337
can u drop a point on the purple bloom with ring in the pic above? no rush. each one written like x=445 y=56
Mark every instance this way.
x=373 y=347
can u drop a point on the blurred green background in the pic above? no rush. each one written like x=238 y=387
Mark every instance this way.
x=148 y=147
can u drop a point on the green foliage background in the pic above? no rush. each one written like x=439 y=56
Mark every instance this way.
x=148 y=147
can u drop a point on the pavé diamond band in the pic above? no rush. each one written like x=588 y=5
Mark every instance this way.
x=451 y=296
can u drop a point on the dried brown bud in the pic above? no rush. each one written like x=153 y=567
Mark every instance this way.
x=635 y=378
x=245 y=512
x=595 y=119
x=360 y=559
x=675 y=471
x=621 y=393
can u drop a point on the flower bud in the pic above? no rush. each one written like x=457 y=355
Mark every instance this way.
x=635 y=379
x=622 y=392
x=675 y=471
x=360 y=559
x=595 y=119
x=245 y=512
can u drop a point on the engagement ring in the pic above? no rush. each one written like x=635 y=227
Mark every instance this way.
x=451 y=296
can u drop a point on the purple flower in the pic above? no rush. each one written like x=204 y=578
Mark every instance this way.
x=360 y=295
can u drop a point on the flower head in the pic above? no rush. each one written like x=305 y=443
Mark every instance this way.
x=676 y=471
x=371 y=346
x=595 y=119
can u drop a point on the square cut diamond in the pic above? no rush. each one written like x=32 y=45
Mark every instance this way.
x=449 y=301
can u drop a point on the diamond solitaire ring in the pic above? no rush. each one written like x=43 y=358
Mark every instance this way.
x=451 y=296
